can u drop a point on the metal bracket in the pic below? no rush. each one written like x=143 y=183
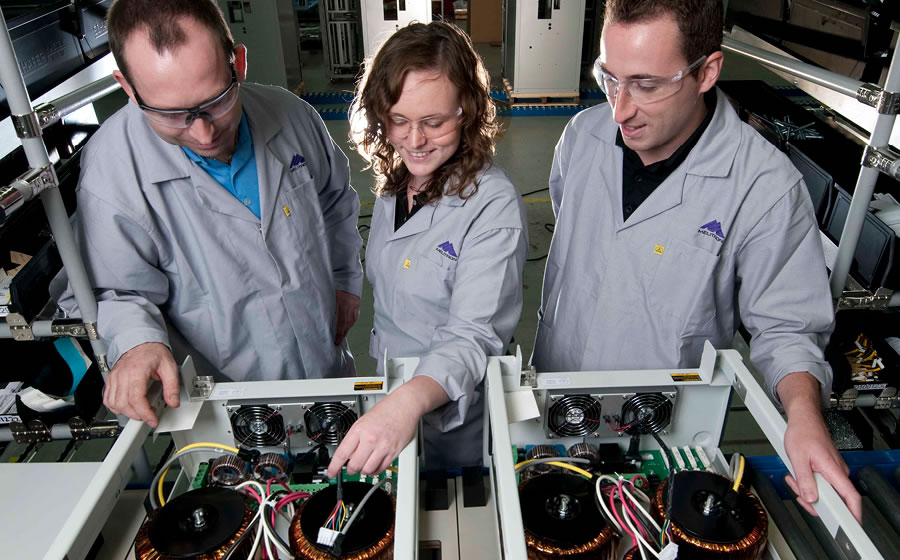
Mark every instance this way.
x=19 y=327
x=864 y=299
x=887 y=398
x=84 y=431
x=91 y=329
x=35 y=432
x=201 y=388
x=47 y=114
x=529 y=377
x=847 y=400
x=885 y=102
x=77 y=330
x=883 y=159
x=27 y=126
x=35 y=181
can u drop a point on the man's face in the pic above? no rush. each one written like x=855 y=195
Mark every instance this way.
x=187 y=76
x=652 y=49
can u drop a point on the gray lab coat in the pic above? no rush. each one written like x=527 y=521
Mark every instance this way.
x=729 y=236
x=161 y=238
x=448 y=289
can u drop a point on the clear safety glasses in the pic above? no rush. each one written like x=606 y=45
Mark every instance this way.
x=434 y=126
x=642 y=90
x=210 y=110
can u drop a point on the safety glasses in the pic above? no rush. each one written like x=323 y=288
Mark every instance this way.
x=642 y=90
x=211 y=110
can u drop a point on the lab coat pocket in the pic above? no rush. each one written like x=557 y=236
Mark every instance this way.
x=424 y=289
x=683 y=288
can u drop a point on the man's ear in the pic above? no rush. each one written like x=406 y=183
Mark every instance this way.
x=126 y=87
x=240 y=62
x=709 y=71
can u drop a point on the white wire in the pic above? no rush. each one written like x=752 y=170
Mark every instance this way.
x=602 y=501
x=640 y=539
x=258 y=535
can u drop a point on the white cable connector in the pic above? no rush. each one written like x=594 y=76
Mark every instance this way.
x=690 y=457
x=679 y=460
x=326 y=536
x=704 y=459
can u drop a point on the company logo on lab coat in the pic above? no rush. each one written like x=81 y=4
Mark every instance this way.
x=446 y=249
x=297 y=162
x=713 y=229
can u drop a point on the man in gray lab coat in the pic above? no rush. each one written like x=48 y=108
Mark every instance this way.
x=676 y=221
x=222 y=206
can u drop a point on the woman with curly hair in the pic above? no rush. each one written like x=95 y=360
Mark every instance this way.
x=446 y=248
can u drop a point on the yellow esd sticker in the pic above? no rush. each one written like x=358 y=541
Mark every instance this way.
x=659 y=250
x=684 y=377
x=406 y=263
x=287 y=211
x=368 y=386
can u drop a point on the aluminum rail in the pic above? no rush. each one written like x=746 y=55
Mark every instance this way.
x=815 y=74
x=53 y=111
x=36 y=152
x=865 y=187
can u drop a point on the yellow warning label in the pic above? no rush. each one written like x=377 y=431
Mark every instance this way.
x=682 y=377
x=658 y=250
x=287 y=210
x=368 y=386
x=406 y=263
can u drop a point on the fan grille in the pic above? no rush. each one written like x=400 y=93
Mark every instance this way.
x=646 y=413
x=257 y=426
x=328 y=422
x=574 y=416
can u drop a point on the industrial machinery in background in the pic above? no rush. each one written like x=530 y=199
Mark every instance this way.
x=382 y=18
x=542 y=46
x=341 y=37
x=269 y=30
x=606 y=464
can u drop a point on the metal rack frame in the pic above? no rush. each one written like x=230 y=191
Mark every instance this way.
x=878 y=156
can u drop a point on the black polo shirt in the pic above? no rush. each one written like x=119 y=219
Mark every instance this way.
x=639 y=180
x=403 y=213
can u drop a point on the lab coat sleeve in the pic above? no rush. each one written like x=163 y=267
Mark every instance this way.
x=340 y=212
x=784 y=297
x=122 y=265
x=484 y=311
x=559 y=167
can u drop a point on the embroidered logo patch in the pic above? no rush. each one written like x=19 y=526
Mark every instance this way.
x=446 y=249
x=296 y=162
x=713 y=229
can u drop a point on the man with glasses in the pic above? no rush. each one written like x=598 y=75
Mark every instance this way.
x=221 y=207
x=676 y=222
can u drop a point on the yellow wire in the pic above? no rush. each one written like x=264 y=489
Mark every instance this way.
x=159 y=488
x=740 y=473
x=558 y=464
x=392 y=469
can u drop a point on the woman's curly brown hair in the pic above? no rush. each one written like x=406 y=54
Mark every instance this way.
x=435 y=46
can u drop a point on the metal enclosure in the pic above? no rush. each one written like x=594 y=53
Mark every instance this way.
x=341 y=37
x=381 y=18
x=269 y=30
x=542 y=42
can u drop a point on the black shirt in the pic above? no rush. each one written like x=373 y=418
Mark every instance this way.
x=639 y=180
x=402 y=214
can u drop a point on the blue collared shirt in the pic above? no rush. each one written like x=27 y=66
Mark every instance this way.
x=240 y=177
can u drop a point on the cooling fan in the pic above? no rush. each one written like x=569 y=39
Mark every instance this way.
x=257 y=425
x=646 y=413
x=573 y=416
x=328 y=422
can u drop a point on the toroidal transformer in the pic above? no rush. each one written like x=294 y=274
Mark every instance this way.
x=707 y=520
x=200 y=525
x=371 y=537
x=562 y=519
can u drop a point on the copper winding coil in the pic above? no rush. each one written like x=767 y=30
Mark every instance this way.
x=584 y=451
x=270 y=466
x=305 y=550
x=602 y=547
x=631 y=554
x=539 y=452
x=750 y=547
x=228 y=470
x=143 y=550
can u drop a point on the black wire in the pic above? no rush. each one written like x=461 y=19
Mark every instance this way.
x=537 y=258
x=673 y=467
x=241 y=538
x=275 y=534
x=535 y=192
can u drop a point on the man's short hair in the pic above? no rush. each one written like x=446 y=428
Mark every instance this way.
x=161 y=18
x=700 y=21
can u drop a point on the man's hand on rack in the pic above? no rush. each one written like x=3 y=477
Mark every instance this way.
x=126 y=385
x=347 y=310
x=809 y=445
x=378 y=437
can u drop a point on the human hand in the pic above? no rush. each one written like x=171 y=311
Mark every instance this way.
x=379 y=435
x=347 y=311
x=809 y=445
x=126 y=385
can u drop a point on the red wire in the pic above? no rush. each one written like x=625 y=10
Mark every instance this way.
x=627 y=508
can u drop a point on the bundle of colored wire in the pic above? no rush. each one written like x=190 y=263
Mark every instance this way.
x=625 y=507
x=737 y=470
x=158 y=500
x=269 y=506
